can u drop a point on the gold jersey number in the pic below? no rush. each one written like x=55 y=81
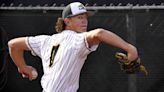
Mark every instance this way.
x=53 y=53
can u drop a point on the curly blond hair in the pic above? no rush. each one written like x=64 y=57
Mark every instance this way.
x=60 y=25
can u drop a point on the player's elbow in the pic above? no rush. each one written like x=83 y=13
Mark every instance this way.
x=11 y=44
x=18 y=43
x=14 y=43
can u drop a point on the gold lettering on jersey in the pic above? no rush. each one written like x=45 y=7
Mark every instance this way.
x=53 y=53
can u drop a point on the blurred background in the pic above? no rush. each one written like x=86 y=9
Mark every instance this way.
x=140 y=22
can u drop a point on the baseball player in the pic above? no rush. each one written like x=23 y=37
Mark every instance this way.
x=63 y=54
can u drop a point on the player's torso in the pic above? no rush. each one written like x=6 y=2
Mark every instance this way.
x=63 y=56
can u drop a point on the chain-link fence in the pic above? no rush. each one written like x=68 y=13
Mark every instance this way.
x=143 y=26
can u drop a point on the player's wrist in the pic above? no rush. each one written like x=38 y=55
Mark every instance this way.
x=22 y=67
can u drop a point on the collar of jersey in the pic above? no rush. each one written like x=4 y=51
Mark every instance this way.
x=70 y=31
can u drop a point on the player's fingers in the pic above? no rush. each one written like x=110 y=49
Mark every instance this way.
x=24 y=76
x=33 y=74
x=30 y=78
x=27 y=76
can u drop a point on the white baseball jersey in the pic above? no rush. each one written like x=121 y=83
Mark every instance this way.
x=63 y=56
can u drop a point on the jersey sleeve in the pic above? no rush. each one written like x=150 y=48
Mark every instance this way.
x=92 y=48
x=34 y=43
x=82 y=42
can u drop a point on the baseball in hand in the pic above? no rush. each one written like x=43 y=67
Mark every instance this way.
x=34 y=74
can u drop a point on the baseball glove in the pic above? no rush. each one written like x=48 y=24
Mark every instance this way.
x=130 y=67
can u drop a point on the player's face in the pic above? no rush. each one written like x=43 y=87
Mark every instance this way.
x=79 y=23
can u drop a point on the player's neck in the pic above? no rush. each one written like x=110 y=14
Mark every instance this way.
x=69 y=28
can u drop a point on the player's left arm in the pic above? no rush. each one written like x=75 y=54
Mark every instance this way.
x=101 y=35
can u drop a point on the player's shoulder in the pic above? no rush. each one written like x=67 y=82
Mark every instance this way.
x=40 y=36
x=67 y=33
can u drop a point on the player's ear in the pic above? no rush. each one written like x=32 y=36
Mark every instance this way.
x=66 y=21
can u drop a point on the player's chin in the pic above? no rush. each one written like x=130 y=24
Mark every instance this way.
x=83 y=29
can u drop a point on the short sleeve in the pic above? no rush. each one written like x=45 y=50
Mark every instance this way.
x=82 y=41
x=34 y=43
x=92 y=48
